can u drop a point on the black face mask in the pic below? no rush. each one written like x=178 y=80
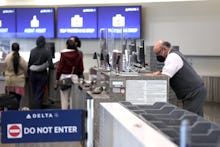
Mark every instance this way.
x=161 y=58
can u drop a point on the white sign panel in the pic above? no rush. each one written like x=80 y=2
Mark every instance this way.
x=146 y=91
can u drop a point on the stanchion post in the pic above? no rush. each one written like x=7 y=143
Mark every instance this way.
x=90 y=121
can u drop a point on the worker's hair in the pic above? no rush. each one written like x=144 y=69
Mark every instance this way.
x=167 y=44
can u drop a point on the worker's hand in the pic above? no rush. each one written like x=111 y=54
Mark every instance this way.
x=157 y=73
x=148 y=74
x=153 y=73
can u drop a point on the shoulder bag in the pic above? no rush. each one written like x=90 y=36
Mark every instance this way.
x=67 y=82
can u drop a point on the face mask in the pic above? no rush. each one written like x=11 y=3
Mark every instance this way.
x=161 y=58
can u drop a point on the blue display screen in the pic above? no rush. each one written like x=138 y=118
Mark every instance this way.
x=34 y=22
x=7 y=23
x=118 y=19
x=81 y=22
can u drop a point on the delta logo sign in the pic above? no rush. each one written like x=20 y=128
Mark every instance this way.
x=42 y=126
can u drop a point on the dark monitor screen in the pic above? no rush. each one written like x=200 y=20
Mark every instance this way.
x=81 y=22
x=7 y=22
x=118 y=19
x=34 y=22
x=141 y=53
x=51 y=47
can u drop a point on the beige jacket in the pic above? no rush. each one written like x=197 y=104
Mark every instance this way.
x=12 y=79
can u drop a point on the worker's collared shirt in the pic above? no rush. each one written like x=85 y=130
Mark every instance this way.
x=172 y=64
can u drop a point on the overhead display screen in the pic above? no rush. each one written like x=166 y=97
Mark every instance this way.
x=120 y=21
x=81 y=22
x=33 y=22
x=7 y=23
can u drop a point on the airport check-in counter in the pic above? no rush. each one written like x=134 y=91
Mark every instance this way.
x=131 y=86
x=135 y=87
x=139 y=89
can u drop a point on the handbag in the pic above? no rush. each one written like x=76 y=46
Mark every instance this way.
x=66 y=83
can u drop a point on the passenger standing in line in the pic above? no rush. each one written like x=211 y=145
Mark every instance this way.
x=40 y=59
x=71 y=62
x=77 y=42
x=15 y=73
x=186 y=83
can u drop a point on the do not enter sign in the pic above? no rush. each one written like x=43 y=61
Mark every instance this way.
x=14 y=131
x=42 y=126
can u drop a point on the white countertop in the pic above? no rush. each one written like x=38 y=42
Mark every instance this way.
x=142 y=131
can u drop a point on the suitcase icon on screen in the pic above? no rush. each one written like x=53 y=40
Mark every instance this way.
x=76 y=21
x=118 y=20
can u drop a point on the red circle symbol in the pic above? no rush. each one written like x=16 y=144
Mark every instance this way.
x=14 y=130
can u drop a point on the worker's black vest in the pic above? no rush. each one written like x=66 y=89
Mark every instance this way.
x=186 y=80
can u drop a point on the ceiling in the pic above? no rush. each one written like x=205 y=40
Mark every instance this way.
x=80 y=2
